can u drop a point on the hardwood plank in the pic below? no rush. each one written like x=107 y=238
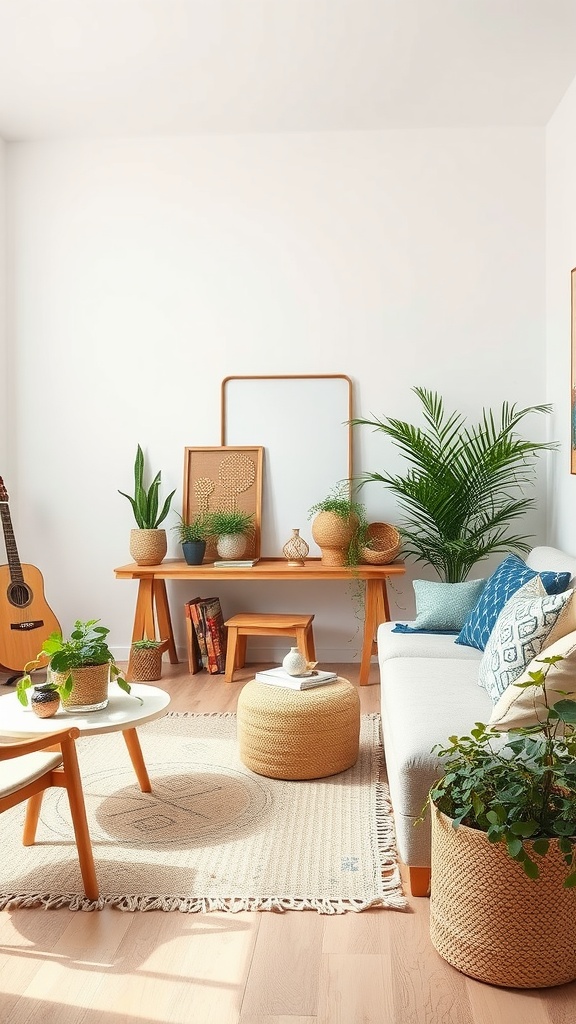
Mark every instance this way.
x=285 y=967
x=356 y=988
x=492 y=1005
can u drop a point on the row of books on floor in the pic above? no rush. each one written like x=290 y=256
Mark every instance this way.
x=208 y=632
x=279 y=677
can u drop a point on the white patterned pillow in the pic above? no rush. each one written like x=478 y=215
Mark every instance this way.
x=520 y=633
x=522 y=706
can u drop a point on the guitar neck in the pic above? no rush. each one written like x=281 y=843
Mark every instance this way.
x=11 y=550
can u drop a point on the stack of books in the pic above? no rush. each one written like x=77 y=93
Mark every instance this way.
x=279 y=677
x=209 y=632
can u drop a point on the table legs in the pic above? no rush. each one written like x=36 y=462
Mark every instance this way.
x=376 y=610
x=152 y=605
x=135 y=752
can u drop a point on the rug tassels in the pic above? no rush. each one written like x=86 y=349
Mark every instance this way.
x=131 y=904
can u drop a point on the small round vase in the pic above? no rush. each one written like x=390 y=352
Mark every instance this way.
x=294 y=662
x=231 y=545
x=44 y=701
x=296 y=549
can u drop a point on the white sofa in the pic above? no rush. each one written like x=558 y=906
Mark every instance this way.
x=430 y=691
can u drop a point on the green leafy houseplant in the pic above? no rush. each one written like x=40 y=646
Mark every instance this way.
x=145 y=502
x=87 y=645
x=221 y=523
x=519 y=792
x=146 y=644
x=464 y=485
x=195 y=529
x=341 y=503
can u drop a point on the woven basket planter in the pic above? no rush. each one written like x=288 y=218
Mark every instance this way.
x=333 y=534
x=89 y=687
x=492 y=922
x=385 y=544
x=146 y=664
x=148 y=547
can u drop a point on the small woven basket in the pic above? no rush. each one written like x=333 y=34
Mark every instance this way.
x=385 y=544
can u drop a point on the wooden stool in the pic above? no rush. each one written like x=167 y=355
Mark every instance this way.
x=298 y=734
x=260 y=624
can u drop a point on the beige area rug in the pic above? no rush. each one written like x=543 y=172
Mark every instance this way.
x=212 y=835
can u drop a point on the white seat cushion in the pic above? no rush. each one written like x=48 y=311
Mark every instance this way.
x=21 y=771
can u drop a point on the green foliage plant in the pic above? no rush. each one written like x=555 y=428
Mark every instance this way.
x=464 y=485
x=146 y=644
x=195 y=529
x=145 y=502
x=87 y=645
x=341 y=502
x=520 y=792
x=221 y=522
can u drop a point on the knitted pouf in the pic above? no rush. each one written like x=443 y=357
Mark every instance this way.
x=298 y=734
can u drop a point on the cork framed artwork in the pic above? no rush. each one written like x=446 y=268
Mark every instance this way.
x=573 y=372
x=224 y=479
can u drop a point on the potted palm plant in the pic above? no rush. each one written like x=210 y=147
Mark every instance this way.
x=464 y=486
x=339 y=526
x=148 y=544
x=79 y=668
x=503 y=893
x=231 y=529
x=192 y=534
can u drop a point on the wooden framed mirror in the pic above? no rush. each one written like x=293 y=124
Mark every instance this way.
x=303 y=423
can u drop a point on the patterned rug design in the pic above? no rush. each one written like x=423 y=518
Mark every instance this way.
x=211 y=835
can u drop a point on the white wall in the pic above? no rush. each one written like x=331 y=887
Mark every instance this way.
x=560 y=259
x=4 y=417
x=146 y=271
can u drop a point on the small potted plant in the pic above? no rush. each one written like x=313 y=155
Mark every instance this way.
x=146 y=659
x=339 y=527
x=79 y=668
x=504 y=844
x=148 y=544
x=192 y=534
x=231 y=530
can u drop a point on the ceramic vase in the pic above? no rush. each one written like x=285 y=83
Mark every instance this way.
x=44 y=701
x=194 y=551
x=294 y=662
x=231 y=545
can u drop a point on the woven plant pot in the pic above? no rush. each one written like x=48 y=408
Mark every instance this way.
x=492 y=922
x=333 y=534
x=385 y=544
x=89 y=690
x=148 y=547
x=146 y=664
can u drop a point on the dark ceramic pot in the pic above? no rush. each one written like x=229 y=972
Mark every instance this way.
x=44 y=701
x=194 y=551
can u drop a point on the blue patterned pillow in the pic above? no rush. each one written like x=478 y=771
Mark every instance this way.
x=510 y=575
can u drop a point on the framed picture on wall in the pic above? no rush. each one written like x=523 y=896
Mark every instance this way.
x=573 y=375
x=224 y=479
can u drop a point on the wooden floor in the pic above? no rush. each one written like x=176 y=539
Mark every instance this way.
x=108 y=967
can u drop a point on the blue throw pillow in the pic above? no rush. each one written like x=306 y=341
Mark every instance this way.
x=445 y=606
x=510 y=575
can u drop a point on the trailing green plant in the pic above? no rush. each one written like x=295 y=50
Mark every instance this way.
x=519 y=792
x=464 y=486
x=342 y=504
x=145 y=502
x=221 y=522
x=86 y=645
x=195 y=529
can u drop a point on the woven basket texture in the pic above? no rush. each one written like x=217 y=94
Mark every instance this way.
x=148 y=547
x=333 y=534
x=90 y=689
x=298 y=734
x=492 y=922
x=146 y=664
x=385 y=544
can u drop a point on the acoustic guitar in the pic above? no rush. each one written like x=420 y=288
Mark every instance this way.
x=26 y=621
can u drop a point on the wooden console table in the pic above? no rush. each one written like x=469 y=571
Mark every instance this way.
x=152 y=607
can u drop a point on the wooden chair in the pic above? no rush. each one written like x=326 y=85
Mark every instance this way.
x=29 y=767
x=299 y=627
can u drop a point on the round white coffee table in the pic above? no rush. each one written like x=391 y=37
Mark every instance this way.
x=122 y=714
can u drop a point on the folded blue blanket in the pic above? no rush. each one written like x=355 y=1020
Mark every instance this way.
x=401 y=627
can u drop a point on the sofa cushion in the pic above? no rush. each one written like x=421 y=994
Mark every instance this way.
x=521 y=706
x=520 y=633
x=445 y=605
x=510 y=575
x=421 y=645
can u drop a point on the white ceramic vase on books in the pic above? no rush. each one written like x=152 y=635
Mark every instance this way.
x=294 y=662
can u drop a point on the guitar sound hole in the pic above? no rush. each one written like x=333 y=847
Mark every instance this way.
x=19 y=595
